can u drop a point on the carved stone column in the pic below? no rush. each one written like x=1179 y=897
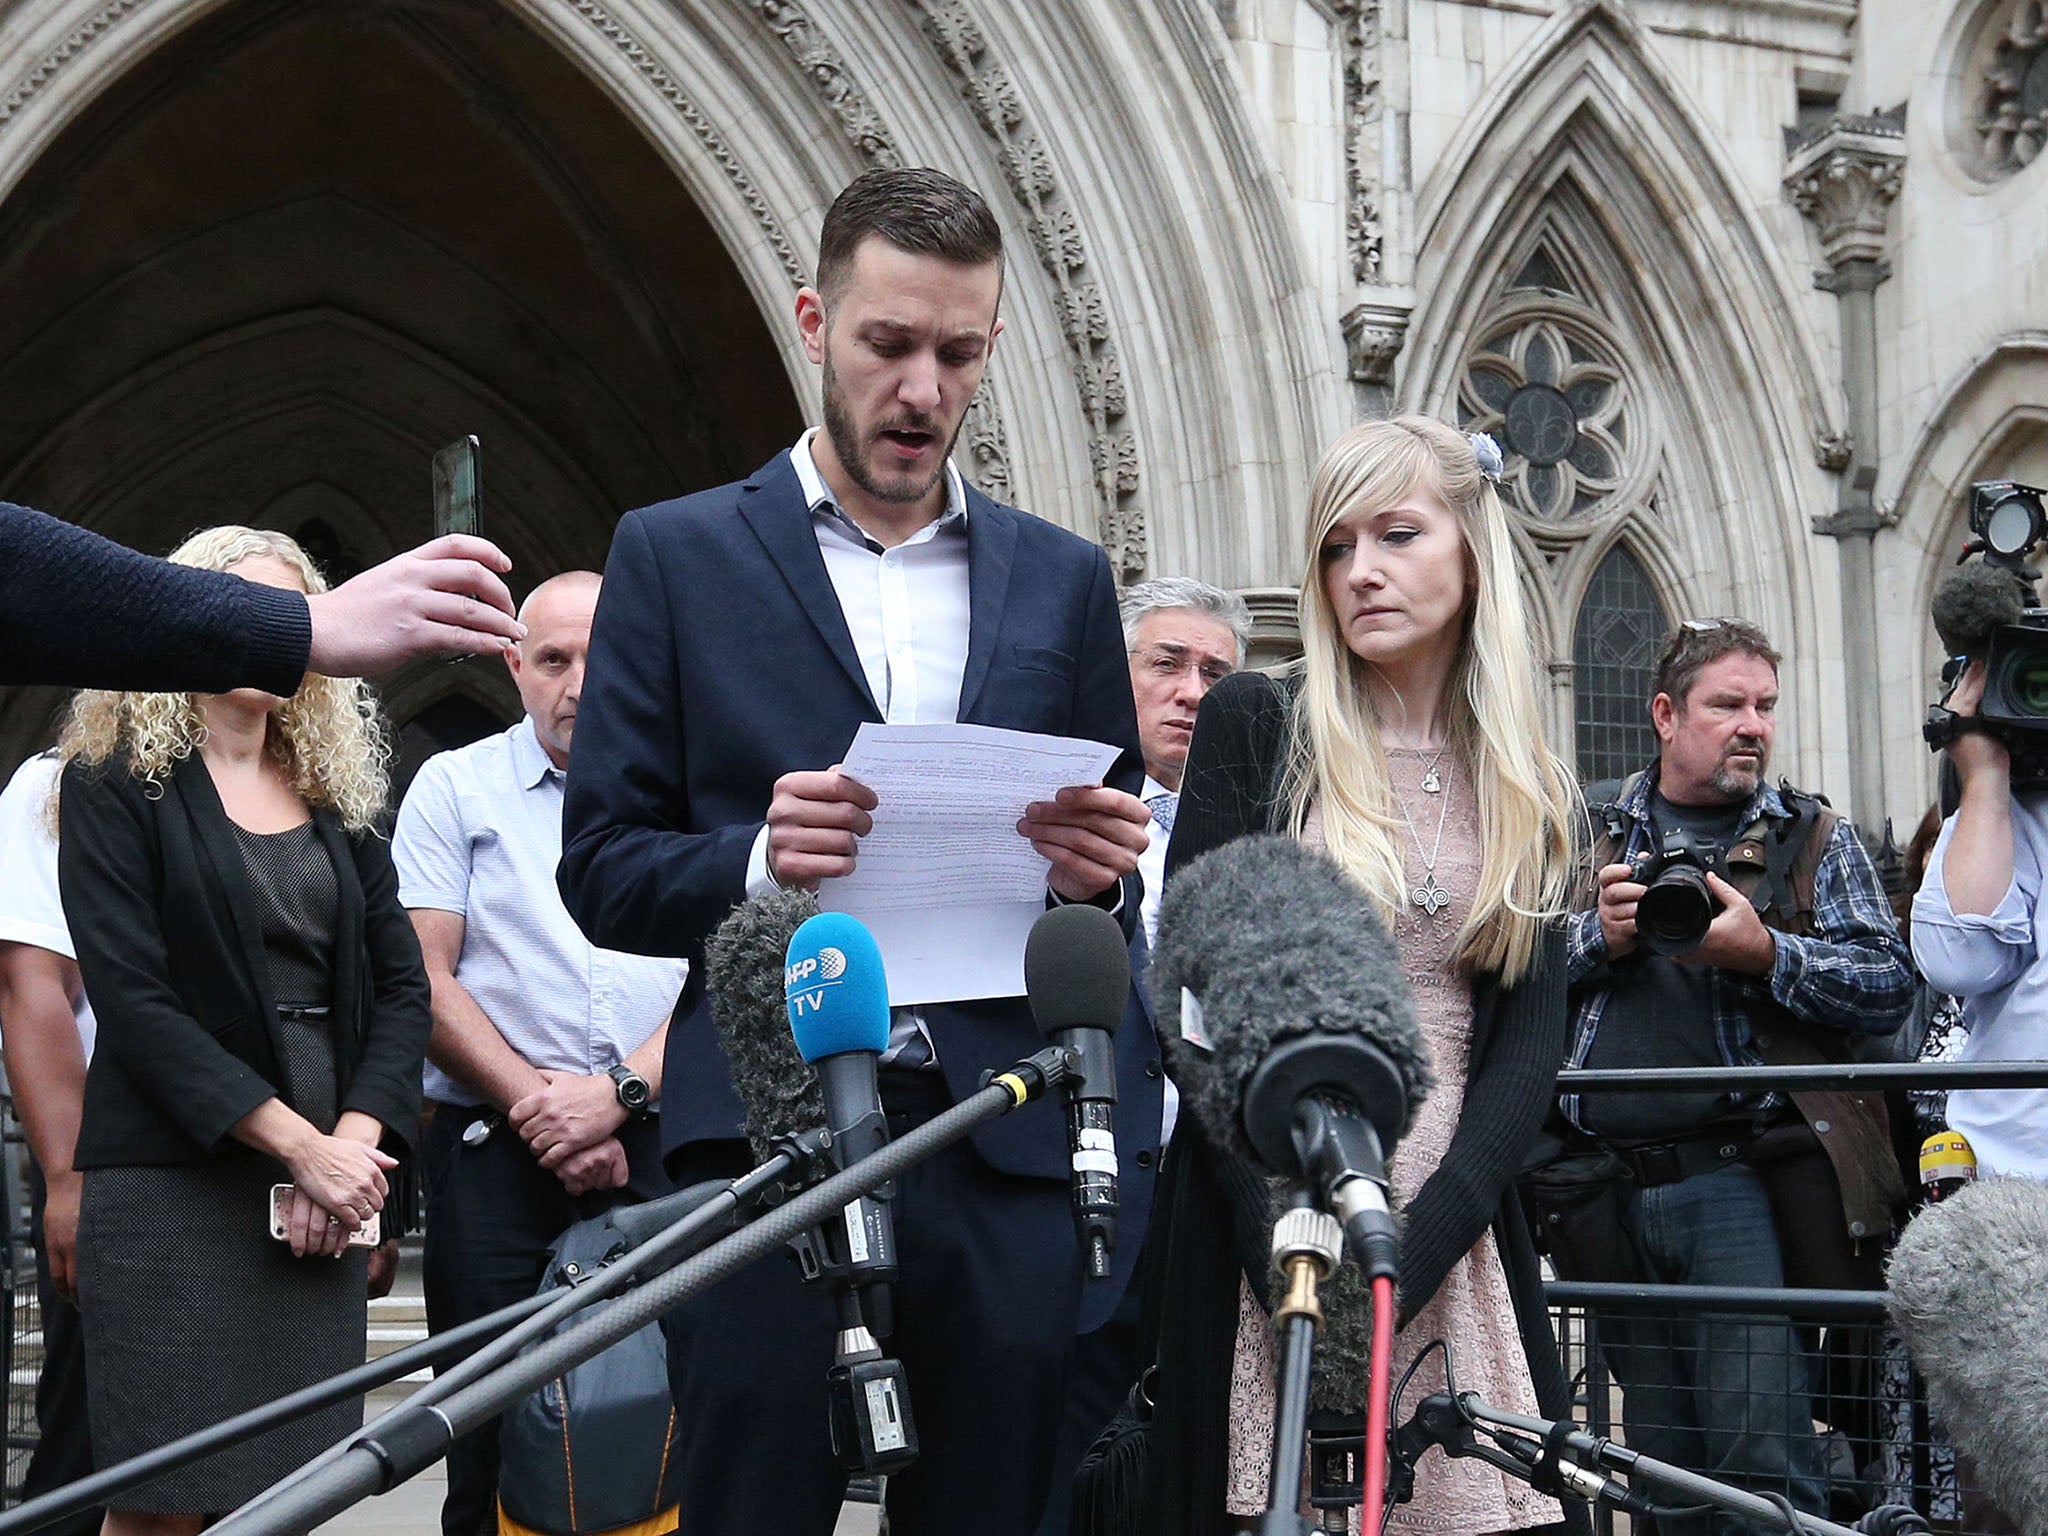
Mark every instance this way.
x=1372 y=38
x=1844 y=178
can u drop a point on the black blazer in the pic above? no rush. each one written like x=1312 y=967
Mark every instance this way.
x=1212 y=1224
x=721 y=660
x=171 y=949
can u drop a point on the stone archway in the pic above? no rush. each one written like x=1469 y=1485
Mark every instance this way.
x=296 y=247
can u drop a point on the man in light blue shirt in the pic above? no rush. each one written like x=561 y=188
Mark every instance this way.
x=1978 y=934
x=544 y=1069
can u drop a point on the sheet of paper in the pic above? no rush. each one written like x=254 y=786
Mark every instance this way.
x=944 y=882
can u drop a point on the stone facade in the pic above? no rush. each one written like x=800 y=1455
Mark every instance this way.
x=1750 y=289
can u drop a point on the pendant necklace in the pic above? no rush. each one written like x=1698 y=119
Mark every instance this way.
x=1430 y=897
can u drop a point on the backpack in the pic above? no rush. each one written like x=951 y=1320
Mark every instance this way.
x=591 y=1450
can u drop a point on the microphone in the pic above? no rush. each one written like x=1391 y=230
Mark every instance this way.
x=837 y=998
x=1969 y=1295
x=1077 y=974
x=1947 y=1163
x=1971 y=601
x=1298 y=1048
x=743 y=966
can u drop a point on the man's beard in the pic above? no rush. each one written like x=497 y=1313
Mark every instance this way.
x=850 y=451
x=1732 y=783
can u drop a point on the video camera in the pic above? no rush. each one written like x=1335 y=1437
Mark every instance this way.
x=1990 y=611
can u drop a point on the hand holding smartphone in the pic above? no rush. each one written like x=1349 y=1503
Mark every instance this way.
x=368 y=1235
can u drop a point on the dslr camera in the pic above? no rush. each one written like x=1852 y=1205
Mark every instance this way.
x=1678 y=906
x=1999 y=621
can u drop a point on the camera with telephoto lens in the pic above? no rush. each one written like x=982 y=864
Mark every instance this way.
x=2007 y=525
x=1676 y=910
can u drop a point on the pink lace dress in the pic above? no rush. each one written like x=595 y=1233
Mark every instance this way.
x=1471 y=1310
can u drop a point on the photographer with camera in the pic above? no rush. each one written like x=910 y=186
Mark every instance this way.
x=1724 y=923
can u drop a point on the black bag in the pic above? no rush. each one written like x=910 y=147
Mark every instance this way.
x=591 y=1450
x=1110 y=1481
x=1575 y=1202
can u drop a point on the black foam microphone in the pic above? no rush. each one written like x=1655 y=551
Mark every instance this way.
x=1298 y=1048
x=1971 y=601
x=1077 y=974
x=1969 y=1295
x=743 y=972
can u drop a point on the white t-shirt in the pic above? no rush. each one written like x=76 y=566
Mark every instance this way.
x=30 y=909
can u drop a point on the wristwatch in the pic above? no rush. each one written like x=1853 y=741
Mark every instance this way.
x=633 y=1090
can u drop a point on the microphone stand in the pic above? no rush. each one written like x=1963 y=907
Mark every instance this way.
x=414 y=1436
x=1565 y=1461
x=1307 y=1246
x=655 y=1250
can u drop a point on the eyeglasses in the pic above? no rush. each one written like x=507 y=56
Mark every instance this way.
x=1706 y=626
x=1164 y=665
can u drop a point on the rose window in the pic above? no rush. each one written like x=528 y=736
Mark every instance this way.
x=1554 y=399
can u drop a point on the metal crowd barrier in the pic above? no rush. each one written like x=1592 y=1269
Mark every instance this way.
x=1866 y=1405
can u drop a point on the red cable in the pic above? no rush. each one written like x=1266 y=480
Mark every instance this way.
x=1377 y=1382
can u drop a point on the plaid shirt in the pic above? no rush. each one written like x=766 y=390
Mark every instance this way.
x=1855 y=976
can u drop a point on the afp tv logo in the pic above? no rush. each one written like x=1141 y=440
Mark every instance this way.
x=804 y=981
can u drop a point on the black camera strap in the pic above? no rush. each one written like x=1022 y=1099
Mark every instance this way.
x=1782 y=845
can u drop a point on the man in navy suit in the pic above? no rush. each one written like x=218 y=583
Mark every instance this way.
x=743 y=636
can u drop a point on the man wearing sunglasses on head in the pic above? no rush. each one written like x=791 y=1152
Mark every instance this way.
x=1724 y=923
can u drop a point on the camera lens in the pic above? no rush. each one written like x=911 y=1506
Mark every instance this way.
x=2030 y=683
x=1673 y=916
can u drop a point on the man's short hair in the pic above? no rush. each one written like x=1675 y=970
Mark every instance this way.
x=1166 y=592
x=1698 y=643
x=915 y=209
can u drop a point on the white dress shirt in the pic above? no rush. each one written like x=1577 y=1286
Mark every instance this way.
x=30 y=910
x=479 y=835
x=1152 y=869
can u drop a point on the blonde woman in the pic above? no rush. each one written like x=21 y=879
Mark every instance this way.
x=263 y=1017
x=1408 y=746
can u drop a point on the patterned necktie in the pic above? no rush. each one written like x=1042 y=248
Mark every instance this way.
x=1163 y=806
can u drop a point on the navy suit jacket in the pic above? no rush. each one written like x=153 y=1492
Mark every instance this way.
x=720 y=660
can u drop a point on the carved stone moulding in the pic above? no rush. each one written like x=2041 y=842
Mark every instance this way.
x=1844 y=177
x=2006 y=76
x=1374 y=333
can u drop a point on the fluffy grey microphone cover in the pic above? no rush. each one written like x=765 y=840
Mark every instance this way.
x=1969 y=1294
x=1971 y=601
x=1275 y=941
x=743 y=963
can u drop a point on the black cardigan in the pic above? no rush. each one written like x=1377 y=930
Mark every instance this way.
x=171 y=948
x=1231 y=788
x=79 y=610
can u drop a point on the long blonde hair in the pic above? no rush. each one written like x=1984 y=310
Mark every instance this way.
x=1335 y=761
x=327 y=737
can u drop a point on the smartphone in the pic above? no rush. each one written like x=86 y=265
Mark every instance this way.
x=458 y=504
x=368 y=1235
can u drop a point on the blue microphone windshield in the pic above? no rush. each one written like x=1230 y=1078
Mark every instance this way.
x=834 y=985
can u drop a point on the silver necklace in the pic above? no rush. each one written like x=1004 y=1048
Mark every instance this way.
x=1429 y=896
x=1431 y=783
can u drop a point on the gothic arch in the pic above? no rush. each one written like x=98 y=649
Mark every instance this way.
x=1990 y=423
x=1165 y=370
x=1591 y=155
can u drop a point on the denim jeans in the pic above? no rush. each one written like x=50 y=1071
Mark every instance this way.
x=1725 y=1396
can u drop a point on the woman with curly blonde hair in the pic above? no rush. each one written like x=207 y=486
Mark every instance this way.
x=1407 y=746
x=263 y=1019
